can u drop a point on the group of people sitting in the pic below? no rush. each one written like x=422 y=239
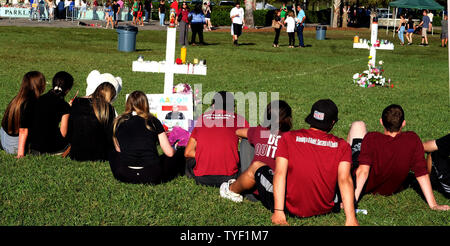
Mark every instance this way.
x=301 y=173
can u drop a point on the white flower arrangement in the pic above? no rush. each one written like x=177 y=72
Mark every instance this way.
x=372 y=77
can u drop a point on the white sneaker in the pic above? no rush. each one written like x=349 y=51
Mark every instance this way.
x=225 y=192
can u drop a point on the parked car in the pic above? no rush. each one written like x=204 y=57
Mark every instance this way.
x=227 y=3
x=383 y=13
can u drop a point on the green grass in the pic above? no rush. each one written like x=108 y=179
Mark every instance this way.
x=49 y=190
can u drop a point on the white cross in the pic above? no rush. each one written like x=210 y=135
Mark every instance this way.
x=168 y=67
x=373 y=39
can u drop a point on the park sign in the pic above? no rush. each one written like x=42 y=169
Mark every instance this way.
x=15 y=12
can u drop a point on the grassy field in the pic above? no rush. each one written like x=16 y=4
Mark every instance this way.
x=49 y=190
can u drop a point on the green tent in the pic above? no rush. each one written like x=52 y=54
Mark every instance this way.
x=416 y=4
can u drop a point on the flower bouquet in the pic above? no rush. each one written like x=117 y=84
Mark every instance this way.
x=372 y=77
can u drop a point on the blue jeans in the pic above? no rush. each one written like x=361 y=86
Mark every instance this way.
x=300 y=35
x=9 y=143
x=400 y=34
x=161 y=18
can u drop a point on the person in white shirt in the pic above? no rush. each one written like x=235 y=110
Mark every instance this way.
x=237 y=20
x=290 y=28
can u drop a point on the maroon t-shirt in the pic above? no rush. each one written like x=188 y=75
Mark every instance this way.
x=217 y=144
x=390 y=160
x=314 y=158
x=265 y=144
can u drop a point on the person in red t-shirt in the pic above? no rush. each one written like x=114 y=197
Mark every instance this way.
x=214 y=144
x=386 y=159
x=278 y=119
x=174 y=5
x=309 y=164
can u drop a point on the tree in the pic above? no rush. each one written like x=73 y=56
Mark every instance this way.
x=249 y=7
x=336 y=12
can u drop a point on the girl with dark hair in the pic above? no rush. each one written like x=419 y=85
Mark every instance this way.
x=90 y=125
x=277 y=20
x=197 y=22
x=264 y=138
x=135 y=134
x=18 y=115
x=46 y=135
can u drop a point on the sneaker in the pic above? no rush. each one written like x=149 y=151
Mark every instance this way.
x=225 y=192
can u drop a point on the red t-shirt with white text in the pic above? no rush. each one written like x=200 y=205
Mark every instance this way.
x=217 y=144
x=390 y=160
x=313 y=160
x=265 y=143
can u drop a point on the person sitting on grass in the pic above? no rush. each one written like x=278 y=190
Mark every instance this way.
x=386 y=159
x=135 y=135
x=51 y=110
x=308 y=165
x=265 y=141
x=212 y=148
x=438 y=163
x=91 y=118
x=18 y=115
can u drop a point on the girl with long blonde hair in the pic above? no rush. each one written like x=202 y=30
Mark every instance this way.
x=136 y=133
x=90 y=124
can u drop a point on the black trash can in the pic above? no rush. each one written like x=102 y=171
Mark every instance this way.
x=127 y=38
x=321 y=32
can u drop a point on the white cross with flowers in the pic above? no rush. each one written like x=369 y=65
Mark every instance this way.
x=374 y=44
x=162 y=104
x=169 y=67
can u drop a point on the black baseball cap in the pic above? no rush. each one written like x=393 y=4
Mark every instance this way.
x=323 y=113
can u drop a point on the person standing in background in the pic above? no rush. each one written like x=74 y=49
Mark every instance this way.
x=238 y=21
x=162 y=12
x=148 y=10
x=183 y=21
x=301 y=17
x=444 y=33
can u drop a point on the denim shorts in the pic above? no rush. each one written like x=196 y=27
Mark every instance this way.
x=9 y=143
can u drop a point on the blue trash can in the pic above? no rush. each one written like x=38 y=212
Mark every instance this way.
x=127 y=38
x=321 y=32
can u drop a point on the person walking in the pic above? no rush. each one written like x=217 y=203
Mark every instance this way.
x=401 y=29
x=238 y=21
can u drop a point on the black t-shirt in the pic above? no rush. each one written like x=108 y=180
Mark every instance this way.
x=115 y=7
x=25 y=120
x=137 y=143
x=162 y=8
x=443 y=145
x=89 y=139
x=44 y=133
x=148 y=5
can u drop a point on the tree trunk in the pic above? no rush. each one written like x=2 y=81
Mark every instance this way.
x=249 y=6
x=336 y=12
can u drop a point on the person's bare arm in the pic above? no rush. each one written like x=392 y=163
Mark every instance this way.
x=64 y=125
x=425 y=185
x=165 y=145
x=189 y=152
x=430 y=146
x=361 y=177
x=242 y=132
x=279 y=190
x=346 y=187
x=23 y=135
